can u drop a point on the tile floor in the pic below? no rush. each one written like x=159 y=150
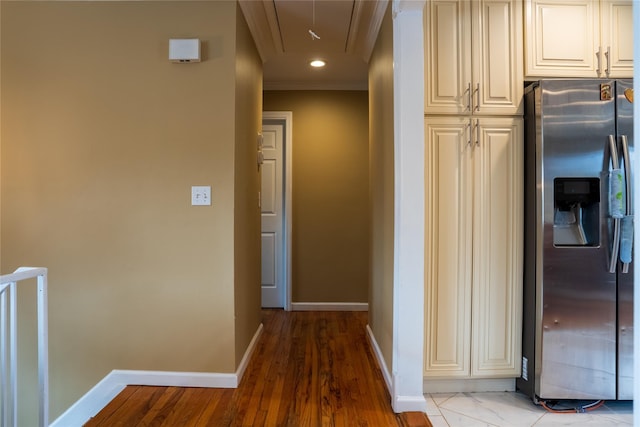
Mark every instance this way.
x=506 y=409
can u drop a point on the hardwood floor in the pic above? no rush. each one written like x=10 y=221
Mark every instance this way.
x=309 y=369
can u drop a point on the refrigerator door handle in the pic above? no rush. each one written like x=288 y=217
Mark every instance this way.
x=627 y=174
x=613 y=259
x=627 y=226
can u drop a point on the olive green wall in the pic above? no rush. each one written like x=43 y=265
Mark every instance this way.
x=330 y=199
x=382 y=189
x=101 y=140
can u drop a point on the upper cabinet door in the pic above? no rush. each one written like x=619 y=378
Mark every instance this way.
x=447 y=57
x=560 y=38
x=473 y=57
x=497 y=57
x=578 y=38
x=617 y=37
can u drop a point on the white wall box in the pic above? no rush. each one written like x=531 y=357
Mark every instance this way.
x=578 y=38
x=184 y=50
x=473 y=57
x=473 y=248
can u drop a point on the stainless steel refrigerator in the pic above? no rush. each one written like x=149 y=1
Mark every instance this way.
x=578 y=284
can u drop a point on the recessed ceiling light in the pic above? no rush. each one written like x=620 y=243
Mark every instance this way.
x=317 y=63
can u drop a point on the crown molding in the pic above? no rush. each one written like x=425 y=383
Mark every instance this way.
x=365 y=24
x=263 y=25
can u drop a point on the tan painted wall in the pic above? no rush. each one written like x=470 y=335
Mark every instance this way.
x=102 y=138
x=382 y=188
x=330 y=201
x=247 y=250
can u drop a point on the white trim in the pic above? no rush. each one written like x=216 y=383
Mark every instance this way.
x=259 y=20
x=379 y=358
x=469 y=385
x=287 y=116
x=400 y=403
x=408 y=248
x=248 y=353
x=329 y=306
x=360 y=41
x=111 y=385
x=409 y=404
x=91 y=403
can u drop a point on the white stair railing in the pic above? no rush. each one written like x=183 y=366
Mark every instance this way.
x=9 y=345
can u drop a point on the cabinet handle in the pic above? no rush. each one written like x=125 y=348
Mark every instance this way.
x=477 y=133
x=469 y=96
x=599 y=59
x=607 y=55
x=468 y=127
x=477 y=91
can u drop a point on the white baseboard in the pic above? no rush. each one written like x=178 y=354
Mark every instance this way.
x=468 y=385
x=329 y=306
x=409 y=404
x=380 y=359
x=248 y=353
x=91 y=403
x=111 y=385
x=399 y=403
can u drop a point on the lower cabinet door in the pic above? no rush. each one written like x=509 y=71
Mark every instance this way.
x=473 y=255
x=496 y=309
x=448 y=246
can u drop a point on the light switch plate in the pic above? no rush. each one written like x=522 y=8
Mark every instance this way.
x=201 y=195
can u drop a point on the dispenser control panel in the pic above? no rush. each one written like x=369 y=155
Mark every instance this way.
x=576 y=211
x=577 y=190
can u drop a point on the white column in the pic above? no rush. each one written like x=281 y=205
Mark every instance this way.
x=408 y=292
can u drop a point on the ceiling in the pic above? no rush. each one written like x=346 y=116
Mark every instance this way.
x=347 y=30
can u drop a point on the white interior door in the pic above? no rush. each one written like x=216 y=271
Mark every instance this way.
x=273 y=289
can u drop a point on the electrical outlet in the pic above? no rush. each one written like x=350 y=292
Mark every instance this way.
x=201 y=195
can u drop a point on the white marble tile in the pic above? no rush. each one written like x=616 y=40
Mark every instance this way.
x=621 y=419
x=432 y=407
x=617 y=407
x=455 y=419
x=499 y=409
x=440 y=398
x=618 y=411
x=580 y=420
x=438 y=421
x=507 y=409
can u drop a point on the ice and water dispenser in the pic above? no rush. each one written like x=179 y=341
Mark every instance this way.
x=576 y=219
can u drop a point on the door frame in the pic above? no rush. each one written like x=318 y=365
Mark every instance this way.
x=287 y=118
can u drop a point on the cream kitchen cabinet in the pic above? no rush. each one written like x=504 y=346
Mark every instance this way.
x=473 y=247
x=473 y=57
x=578 y=38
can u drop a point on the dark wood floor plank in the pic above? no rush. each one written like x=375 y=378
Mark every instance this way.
x=310 y=369
x=134 y=409
x=121 y=399
x=220 y=399
x=163 y=407
x=188 y=407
